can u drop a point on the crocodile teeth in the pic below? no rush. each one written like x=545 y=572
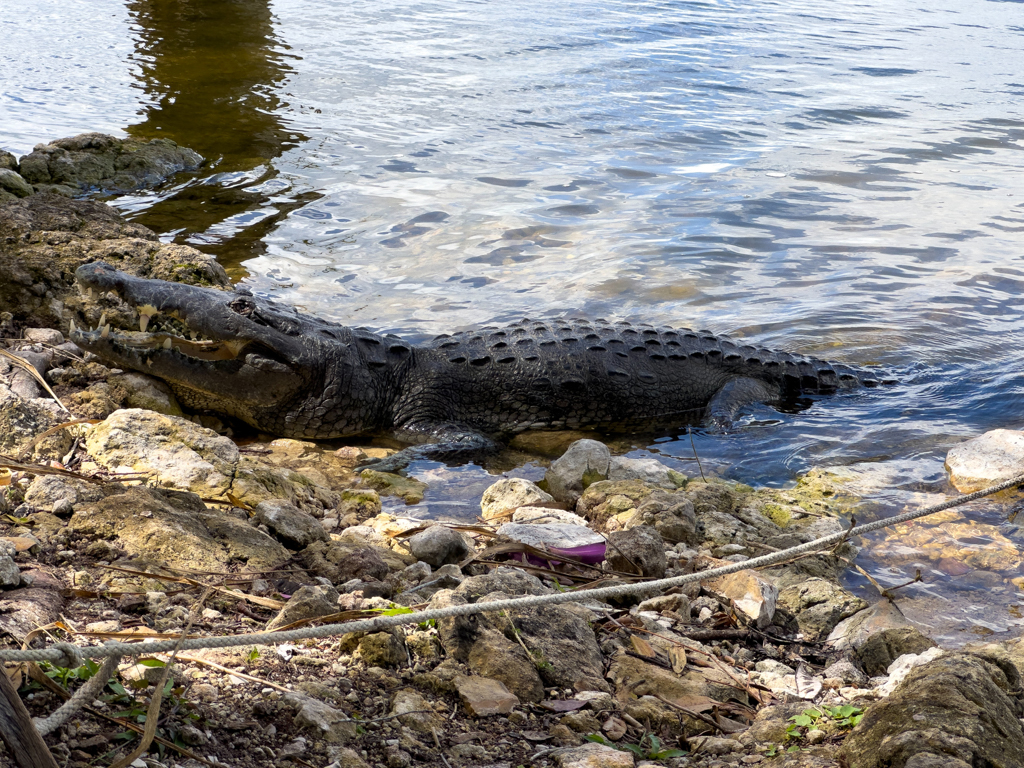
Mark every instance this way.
x=106 y=331
x=235 y=346
x=167 y=343
x=103 y=320
x=143 y=322
x=88 y=293
x=73 y=327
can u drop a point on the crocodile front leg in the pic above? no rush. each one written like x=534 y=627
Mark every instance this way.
x=736 y=394
x=436 y=442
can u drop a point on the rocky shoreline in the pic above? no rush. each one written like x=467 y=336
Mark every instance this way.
x=141 y=520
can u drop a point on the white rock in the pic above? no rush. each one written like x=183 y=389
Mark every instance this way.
x=900 y=668
x=995 y=456
x=509 y=493
x=561 y=535
x=648 y=470
x=543 y=516
x=754 y=596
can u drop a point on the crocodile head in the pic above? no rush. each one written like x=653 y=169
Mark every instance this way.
x=280 y=370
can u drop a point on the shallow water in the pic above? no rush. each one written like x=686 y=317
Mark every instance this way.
x=842 y=180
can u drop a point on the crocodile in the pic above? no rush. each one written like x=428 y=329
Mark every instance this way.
x=457 y=396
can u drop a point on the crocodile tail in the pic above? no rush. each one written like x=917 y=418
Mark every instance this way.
x=797 y=374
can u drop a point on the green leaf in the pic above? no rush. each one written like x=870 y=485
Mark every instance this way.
x=801 y=720
x=636 y=750
x=153 y=663
x=597 y=738
x=655 y=742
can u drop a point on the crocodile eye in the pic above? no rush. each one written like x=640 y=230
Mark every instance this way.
x=243 y=305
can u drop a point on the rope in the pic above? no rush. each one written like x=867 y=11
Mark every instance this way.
x=110 y=650
x=83 y=696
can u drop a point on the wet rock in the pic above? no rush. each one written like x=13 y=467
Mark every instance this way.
x=92 y=161
x=388 y=484
x=959 y=706
x=439 y=545
x=14 y=184
x=46 y=238
x=483 y=696
x=817 y=606
x=952 y=540
x=8 y=161
x=295 y=528
x=176 y=528
x=753 y=596
x=585 y=462
x=510 y=493
x=364 y=503
x=986 y=460
x=173 y=452
x=878 y=636
x=638 y=550
x=309 y=602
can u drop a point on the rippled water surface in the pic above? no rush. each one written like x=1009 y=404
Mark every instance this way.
x=842 y=179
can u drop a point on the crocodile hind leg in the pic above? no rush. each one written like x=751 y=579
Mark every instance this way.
x=444 y=442
x=734 y=395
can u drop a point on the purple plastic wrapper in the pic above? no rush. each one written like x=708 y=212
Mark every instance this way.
x=591 y=554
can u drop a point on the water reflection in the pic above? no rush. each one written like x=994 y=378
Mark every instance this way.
x=213 y=73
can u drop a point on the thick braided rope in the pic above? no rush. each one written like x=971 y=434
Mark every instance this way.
x=83 y=696
x=385 y=622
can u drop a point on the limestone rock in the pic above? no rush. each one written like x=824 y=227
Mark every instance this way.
x=585 y=462
x=177 y=529
x=415 y=712
x=754 y=596
x=439 y=545
x=483 y=696
x=986 y=460
x=382 y=649
x=593 y=755
x=559 y=535
x=96 y=161
x=330 y=724
x=649 y=471
x=307 y=602
x=545 y=516
x=364 y=503
x=637 y=548
x=295 y=528
x=817 y=606
x=173 y=452
x=959 y=706
x=878 y=636
x=510 y=493
x=48 y=237
x=23 y=420
x=10 y=575
x=136 y=390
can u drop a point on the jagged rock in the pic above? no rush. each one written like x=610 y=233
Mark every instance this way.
x=8 y=161
x=986 y=460
x=439 y=545
x=364 y=503
x=585 y=462
x=382 y=649
x=878 y=636
x=331 y=560
x=847 y=672
x=637 y=548
x=173 y=452
x=753 y=595
x=136 y=390
x=177 y=529
x=21 y=421
x=545 y=515
x=309 y=602
x=92 y=161
x=817 y=606
x=330 y=724
x=899 y=669
x=510 y=493
x=415 y=712
x=295 y=528
x=46 y=238
x=60 y=494
x=959 y=706
x=562 y=650
x=483 y=696
x=10 y=575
